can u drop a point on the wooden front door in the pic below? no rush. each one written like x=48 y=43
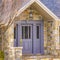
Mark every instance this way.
x=26 y=35
x=37 y=38
x=31 y=34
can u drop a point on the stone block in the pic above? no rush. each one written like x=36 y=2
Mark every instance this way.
x=56 y=59
x=45 y=59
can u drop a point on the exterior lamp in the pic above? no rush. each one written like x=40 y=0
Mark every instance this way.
x=31 y=14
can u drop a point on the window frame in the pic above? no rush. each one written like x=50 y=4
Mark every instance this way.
x=28 y=30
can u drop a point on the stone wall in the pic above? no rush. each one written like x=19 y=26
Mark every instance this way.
x=57 y=38
x=39 y=57
x=9 y=37
x=48 y=37
x=13 y=53
x=52 y=45
x=9 y=43
x=26 y=14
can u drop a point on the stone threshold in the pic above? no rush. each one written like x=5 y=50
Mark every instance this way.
x=41 y=56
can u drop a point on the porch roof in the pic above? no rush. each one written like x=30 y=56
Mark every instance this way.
x=41 y=8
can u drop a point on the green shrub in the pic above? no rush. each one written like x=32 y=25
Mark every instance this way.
x=1 y=58
x=1 y=55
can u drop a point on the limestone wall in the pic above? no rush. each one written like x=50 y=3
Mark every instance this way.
x=38 y=57
x=51 y=37
x=9 y=37
x=57 y=40
x=9 y=43
x=48 y=37
x=29 y=12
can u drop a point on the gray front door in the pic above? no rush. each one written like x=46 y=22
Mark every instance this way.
x=26 y=35
x=36 y=38
x=31 y=34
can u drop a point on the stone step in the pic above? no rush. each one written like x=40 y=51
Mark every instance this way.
x=37 y=57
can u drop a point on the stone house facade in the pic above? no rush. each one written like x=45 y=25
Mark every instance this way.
x=28 y=27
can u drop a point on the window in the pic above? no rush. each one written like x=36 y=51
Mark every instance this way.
x=59 y=34
x=16 y=35
x=37 y=32
x=15 y=32
x=26 y=32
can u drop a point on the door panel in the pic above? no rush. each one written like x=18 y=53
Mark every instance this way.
x=37 y=39
x=26 y=34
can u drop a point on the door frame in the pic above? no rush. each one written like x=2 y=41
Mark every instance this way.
x=41 y=22
x=27 y=41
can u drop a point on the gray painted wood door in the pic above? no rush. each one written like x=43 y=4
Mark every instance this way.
x=36 y=38
x=26 y=36
x=31 y=34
